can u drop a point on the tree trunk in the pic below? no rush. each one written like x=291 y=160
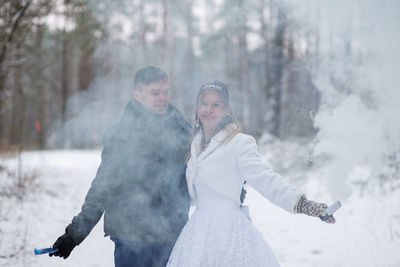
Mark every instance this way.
x=277 y=71
x=85 y=73
x=188 y=83
x=64 y=82
x=143 y=29
x=167 y=37
x=15 y=22
x=40 y=97
x=243 y=71
x=14 y=135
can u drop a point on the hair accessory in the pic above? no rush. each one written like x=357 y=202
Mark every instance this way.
x=212 y=86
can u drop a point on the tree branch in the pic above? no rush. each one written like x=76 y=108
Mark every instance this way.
x=13 y=64
x=15 y=23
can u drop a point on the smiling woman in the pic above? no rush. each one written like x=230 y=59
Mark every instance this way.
x=222 y=159
x=211 y=110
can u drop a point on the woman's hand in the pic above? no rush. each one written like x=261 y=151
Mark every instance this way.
x=312 y=208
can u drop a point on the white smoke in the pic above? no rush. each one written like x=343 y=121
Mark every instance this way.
x=359 y=126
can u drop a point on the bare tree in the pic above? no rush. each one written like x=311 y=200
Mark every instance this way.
x=12 y=14
x=13 y=26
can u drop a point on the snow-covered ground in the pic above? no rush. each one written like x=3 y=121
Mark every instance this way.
x=367 y=232
x=41 y=217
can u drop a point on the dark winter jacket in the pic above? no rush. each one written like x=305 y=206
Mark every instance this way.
x=140 y=185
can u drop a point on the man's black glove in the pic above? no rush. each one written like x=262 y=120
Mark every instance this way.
x=65 y=245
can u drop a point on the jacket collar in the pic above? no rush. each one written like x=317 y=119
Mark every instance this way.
x=134 y=111
x=217 y=141
x=134 y=107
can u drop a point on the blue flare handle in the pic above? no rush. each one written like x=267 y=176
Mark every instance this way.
x=45 y=250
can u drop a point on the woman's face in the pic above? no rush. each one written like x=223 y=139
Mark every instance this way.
x=210 y=110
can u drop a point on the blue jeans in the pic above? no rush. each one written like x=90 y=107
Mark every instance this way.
x=141 y=254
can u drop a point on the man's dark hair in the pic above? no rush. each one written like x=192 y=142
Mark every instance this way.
x=148 y=75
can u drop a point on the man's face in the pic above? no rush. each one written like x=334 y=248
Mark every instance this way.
x=154 y=97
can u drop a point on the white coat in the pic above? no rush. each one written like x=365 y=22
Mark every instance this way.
x=224 y=166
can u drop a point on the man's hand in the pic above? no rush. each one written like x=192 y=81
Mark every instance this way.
x=312 y=208
x=65 y=245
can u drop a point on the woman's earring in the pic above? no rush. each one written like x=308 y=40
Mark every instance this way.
x=197 y=123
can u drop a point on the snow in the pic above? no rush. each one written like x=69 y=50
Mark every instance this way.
x=41 y=216
x=367 y=232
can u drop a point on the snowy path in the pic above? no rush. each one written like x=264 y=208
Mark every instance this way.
x=365 y=234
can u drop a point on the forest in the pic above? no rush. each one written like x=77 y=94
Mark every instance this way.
x=67 y=66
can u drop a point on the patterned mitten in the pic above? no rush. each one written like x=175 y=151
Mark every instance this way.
x=312 y=208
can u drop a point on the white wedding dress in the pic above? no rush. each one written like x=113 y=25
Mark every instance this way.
x=219 y=234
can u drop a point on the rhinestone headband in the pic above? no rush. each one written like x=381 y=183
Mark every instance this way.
x=214 y=87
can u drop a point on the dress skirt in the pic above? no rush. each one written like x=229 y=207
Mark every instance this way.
x=220 y=234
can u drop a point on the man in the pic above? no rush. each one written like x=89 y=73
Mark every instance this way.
x=140 y=185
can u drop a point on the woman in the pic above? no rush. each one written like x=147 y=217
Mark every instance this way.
x=219 y=233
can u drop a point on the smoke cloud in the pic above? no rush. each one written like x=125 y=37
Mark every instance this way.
x=358 y=118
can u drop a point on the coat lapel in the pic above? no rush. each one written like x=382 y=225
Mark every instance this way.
x=215 y=143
